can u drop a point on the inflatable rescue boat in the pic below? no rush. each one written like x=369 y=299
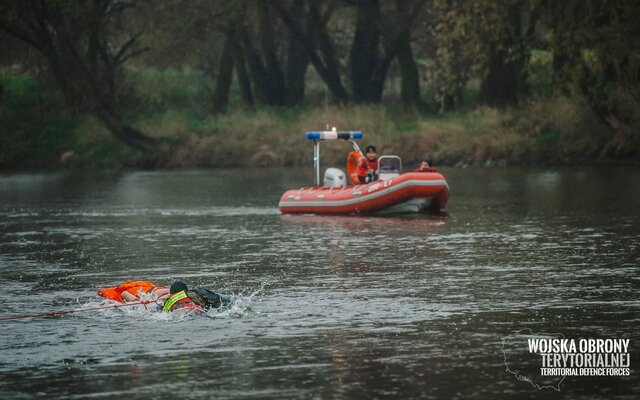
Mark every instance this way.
x=421 y=190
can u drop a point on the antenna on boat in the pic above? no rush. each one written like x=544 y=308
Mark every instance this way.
x=326 y=107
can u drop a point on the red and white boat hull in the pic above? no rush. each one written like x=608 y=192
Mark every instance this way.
x=409 y=192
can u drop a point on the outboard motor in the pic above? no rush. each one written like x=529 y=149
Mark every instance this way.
x=334 y=177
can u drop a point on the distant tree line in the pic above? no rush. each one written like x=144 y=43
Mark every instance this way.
x=269 y=46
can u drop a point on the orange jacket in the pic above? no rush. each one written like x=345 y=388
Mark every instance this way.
x=133 y=287
x=364 y=166
x=424 y=169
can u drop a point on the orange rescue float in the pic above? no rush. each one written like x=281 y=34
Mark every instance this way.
x=133 y=287
x=352 y=166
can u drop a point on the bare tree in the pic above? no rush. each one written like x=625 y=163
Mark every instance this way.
x=86 y=44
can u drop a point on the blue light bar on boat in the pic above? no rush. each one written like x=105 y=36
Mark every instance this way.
x=332 y=135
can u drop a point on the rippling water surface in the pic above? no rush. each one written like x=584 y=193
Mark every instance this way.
x=325 y=307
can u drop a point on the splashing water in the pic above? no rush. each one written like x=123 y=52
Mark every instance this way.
x=149 y=308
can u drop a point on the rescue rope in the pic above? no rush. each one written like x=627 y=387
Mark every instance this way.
x=55 y=313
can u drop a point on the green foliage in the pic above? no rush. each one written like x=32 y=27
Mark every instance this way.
x=174 y=104
x=456 y=55
x=35 y=129
x=540 y=72
x=596 y=56
x=158 y=90
x=95 y=146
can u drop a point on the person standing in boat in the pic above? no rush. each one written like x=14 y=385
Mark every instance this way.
x=368 y=166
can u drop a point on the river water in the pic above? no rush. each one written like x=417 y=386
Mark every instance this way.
x=323 y=307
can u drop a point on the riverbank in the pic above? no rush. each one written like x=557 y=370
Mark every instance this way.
x=38 y=132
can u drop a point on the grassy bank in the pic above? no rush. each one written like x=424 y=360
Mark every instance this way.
x=36 y=131
x=543 y=132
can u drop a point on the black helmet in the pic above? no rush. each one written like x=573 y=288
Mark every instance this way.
x=370 y=148
x=178 y=286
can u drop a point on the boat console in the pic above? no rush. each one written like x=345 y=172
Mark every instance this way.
x=389 y=167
